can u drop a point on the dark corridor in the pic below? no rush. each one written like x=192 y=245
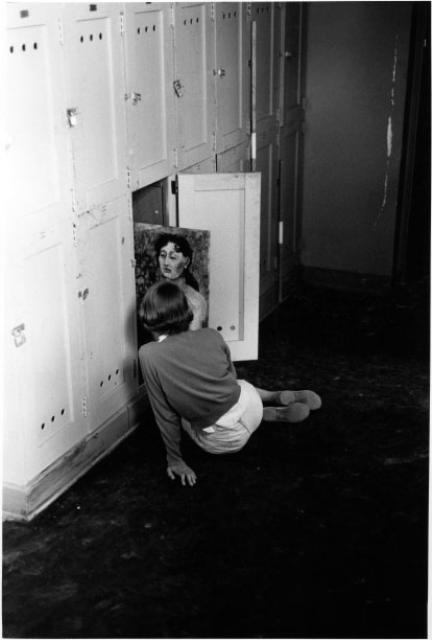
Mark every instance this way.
x=316 y=530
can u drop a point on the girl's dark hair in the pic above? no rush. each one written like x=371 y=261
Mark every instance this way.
x=165 y=309
x=181 y=245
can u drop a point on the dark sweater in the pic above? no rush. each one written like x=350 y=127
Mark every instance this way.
x=188 y=375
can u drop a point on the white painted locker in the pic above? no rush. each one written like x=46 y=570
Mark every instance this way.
x=106 y=291
x=95 y=95
x=43 y=348
x=149 y=93
x=262 y=14
x=193 y=82
x=228 y=205
x=267 y=164
x=232 y=74
x=36 y=157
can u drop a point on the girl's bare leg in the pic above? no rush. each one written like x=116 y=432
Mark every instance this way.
x=287 y=397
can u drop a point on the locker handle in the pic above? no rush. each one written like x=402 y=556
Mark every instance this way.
x=72 y=116
x=136 y=97
x=18 y=335
x=83 y=294
x=221 y=73
x=178 y=88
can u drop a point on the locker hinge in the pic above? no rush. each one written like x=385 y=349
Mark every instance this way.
x=122 y=25
x=60 y=30
x=281 y=232
x=174 y=187
x=74 y=202
x=213 y=12
x=175 y=157
x=172 y=16
x=74 y=234
x=128 y=177
x=84 y=408
x=214 y=141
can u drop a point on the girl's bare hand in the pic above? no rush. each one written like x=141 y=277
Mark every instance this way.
x=185 y=473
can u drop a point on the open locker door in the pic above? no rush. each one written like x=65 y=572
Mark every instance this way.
x=228 y=205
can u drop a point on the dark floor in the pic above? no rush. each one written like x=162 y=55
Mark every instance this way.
x=317 y=530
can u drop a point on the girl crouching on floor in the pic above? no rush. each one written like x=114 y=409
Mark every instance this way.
x=192 y=385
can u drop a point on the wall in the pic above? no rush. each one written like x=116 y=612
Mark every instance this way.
x=357 y=57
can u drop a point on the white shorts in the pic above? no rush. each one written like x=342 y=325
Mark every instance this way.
x=238 y=424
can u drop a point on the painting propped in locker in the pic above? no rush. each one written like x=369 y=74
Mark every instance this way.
x=177 y=254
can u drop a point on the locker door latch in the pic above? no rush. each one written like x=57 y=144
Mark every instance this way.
x=72 y=117
x=134 y=96
x=178 y=88
x=18 y=335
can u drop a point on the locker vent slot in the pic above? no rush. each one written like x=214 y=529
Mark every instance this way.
x=111 y=376
x=191 y=20
x=92 y=37
x=52 y=419
x=146 y=29
x=24 y=47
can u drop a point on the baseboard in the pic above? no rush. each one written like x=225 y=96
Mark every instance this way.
x=25 y=502
x=345 y=280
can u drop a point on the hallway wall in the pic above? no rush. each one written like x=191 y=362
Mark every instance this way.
x=357 y=58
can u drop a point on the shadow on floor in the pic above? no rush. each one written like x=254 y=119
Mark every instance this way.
x=316 y=530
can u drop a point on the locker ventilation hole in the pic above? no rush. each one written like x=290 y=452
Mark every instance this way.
x=138 y=30
x=91 y=37
x=44 y=424
x=23 y=47
x=35 y=45
x=11 y=49
x=110 y=377
x=100 y=36
x=82 y=39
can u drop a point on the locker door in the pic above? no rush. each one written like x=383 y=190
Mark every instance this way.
x=44 y=384
x=262 y=13
x=149 y=92
x=106 y=291
x=93 y=53
x=232 y=77
x=36 y=157
x=267 y=164
x=194 y=82
x=291 y=137
x=228 y=205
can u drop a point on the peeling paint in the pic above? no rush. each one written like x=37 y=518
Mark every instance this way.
x=389 y=131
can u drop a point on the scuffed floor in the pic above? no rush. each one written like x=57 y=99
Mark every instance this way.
x=316 y=530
